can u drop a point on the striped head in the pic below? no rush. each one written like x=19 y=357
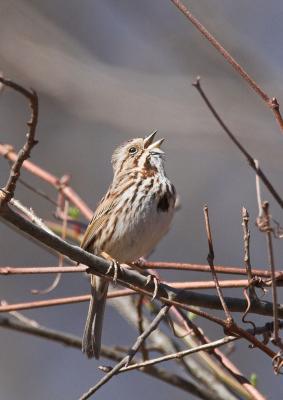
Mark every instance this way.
x=139 y=154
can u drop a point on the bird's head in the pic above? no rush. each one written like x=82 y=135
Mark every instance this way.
x=139 y=154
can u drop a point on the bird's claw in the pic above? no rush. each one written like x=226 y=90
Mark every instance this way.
x=155 y=282
x=117 y=268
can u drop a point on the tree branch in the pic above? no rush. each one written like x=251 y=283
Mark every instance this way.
x=7 y=192
x=9 y=153
x=131 y=278
x=249 y=158
x=272 y=103
x=106 y=352
x=126 y=360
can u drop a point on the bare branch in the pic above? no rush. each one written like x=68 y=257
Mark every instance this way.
x=210 y=260
x=267 y=230
x=75 y=342
x=220 y=269
x=141 y=325
x=181 y=354
x=126 y=360
x=249 y=158
x=251 y=295
x=272 y=103
x=130 y=278
x=8 y=152
x=242 y=383
x=7 y=192
x=60 y=301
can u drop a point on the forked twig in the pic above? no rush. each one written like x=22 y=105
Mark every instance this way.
x=7 y=192
x=249 y=158
x=181 y=354
x=126 y=360
x=75 y=342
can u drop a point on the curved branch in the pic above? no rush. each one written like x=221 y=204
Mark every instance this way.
x=7 y=192
x=130 y=278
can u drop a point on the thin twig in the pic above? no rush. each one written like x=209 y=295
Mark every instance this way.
x=58 y=275
x=251 y=294
x=181 y=354
x=7 y=192
x=140 y=301
x=37 y=191
x=193 y=336
x=267 y=229
x=126 y=360
x=249 y=158
x=272 y=103
x=60 y=301
x=75 y=342
x=225 y=362
x=8 y=152
x=8 y=270
x=246 y=232
x=220 y=269
x=258 y=190
x=230 y=327
x=210 y=260
x=136 y=281
x=159 y=339
x=128 y=277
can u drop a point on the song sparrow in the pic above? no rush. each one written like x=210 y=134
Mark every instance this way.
x=129 y=221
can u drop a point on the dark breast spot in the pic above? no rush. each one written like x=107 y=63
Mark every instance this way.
x=163 y=203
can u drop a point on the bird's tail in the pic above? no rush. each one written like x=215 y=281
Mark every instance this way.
x=91 y=343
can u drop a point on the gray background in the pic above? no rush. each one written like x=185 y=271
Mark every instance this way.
x=107 y=71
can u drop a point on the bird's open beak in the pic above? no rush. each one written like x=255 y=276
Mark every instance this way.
x=149 y=139
x=154 y=148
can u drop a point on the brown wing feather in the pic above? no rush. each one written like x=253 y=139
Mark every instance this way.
x=97 y=221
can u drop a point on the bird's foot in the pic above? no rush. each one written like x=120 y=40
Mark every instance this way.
x=152 y=278
x=116 y=268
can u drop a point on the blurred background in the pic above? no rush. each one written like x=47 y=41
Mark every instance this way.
x=105 y=72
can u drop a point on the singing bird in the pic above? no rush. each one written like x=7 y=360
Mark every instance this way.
x=129 y=221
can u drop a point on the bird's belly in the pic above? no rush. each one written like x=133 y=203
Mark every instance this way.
x=138 y=231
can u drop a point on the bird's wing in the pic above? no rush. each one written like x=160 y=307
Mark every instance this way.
x=97 y=221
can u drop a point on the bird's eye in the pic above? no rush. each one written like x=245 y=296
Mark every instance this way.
x=132 y=150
